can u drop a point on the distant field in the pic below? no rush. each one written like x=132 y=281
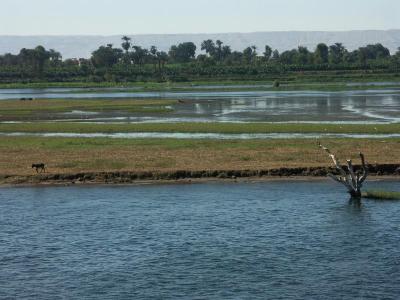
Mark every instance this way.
x=243 y=86
x=328 y=80
x=64 y=155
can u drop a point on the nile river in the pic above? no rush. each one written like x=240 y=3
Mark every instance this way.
x=268 y=240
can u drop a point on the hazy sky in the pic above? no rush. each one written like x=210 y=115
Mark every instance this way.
x=27 y=17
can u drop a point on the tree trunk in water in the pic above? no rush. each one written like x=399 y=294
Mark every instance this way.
x=355 y=194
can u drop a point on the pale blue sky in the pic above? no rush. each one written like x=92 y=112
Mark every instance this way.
x=27 y=17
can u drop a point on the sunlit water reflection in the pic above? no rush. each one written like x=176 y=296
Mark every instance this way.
x=373 y=106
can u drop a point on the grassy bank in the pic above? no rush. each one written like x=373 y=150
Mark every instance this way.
x=10 y=109
x=381 y=195
x=227 y=128
x=70 y=155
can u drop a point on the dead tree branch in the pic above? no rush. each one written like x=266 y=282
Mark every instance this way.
x=349 y=178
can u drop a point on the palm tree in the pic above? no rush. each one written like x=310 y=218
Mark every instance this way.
x=267 y=53
x=209 y=47
x=219 y=49
x=162 y=58
x=254 y=54
x=153 y=54
x=55 y=56
x=126 y=43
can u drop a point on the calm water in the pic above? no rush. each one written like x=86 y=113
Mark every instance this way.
x=375 y=106
x=205 y=136
x=277 y=240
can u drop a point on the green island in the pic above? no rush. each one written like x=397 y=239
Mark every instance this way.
x=75 y=155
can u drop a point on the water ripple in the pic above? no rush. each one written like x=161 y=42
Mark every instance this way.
x=277 y=240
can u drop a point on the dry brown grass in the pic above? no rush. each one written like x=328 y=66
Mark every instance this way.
x=68 y=155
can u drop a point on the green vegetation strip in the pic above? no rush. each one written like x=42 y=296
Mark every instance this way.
x=250 y=88
x=17 y=108
x=287 y=84
x=227 y=128
x=381 y=195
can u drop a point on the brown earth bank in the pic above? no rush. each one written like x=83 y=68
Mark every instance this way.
x=126 y=177
x=125 y=161
x=75 y=156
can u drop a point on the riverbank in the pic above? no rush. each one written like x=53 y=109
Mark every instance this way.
x=92 y=159
x=182 y=176
x=195 y=127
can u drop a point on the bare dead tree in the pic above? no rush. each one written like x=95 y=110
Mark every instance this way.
x=352 y=180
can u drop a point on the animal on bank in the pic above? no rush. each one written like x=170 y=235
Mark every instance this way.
x=41 y=167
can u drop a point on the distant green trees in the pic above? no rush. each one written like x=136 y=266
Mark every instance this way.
x=182 y=53
x=321 y=54
x=106 y=56
x=34 y=58
x=134 y=62
x=126 y=44
x=209 y=47
x=337 y=53
x=267 y=53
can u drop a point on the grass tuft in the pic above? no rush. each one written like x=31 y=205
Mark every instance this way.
x=381 y=195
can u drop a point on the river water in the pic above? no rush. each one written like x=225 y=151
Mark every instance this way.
x=205 y=136
x=273 y=240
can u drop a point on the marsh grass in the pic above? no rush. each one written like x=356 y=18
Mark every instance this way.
x=15 y=108
x=381 y=195
x=223 y=128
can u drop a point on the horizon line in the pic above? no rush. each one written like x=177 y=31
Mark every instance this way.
x=199 y=33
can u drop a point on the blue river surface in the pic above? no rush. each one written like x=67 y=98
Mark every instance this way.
x=262 y=240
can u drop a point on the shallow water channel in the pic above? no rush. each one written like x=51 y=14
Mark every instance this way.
x=270 y=240
x=373 y=106
x=202 y=136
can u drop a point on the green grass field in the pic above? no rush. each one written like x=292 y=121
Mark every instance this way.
x=291 y=81
x=328 y=87
x=71 y=155
x=15 y=108
x=227 y=128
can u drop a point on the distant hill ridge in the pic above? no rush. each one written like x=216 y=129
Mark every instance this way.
x=75 y=46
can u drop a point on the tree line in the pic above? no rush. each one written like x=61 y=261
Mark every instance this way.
x=132 y=62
